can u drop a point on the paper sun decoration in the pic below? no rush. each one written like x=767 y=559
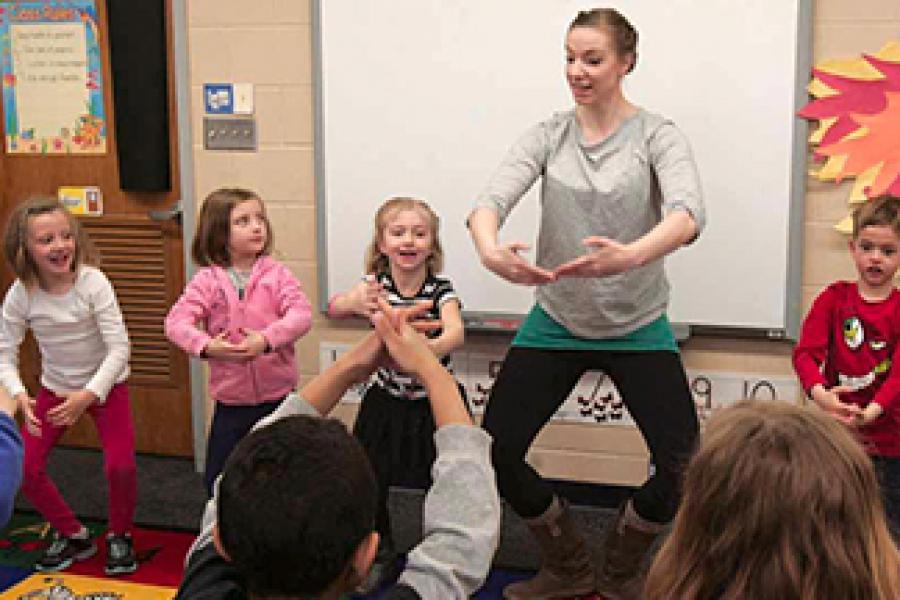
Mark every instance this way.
x=857 y=104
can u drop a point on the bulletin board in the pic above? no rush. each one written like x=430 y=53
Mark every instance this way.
x=51 y=70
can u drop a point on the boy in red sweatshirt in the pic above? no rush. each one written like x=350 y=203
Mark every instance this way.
x=849 y=343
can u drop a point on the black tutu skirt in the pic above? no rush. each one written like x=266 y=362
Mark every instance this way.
x=398 y=436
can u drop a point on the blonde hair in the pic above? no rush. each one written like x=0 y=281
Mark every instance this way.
x=779 y=502
x=210 y=246
x=15 y=245
x=375 y=261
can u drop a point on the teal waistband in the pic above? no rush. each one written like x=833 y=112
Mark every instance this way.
x=540 y=330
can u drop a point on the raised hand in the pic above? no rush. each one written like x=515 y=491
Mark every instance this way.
x=506 y=261
x=407 y=347
x=369 y=354
x=364 y=357
x=410 y=350
x=412 y=315
x=606 y=257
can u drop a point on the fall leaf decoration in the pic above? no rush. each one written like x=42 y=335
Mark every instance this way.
x=857 y=104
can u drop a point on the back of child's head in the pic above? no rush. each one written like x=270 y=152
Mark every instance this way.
x=779 y=502
x=15 y=244
x=210 y=246
x=375 y=261
x=296 y=499
x=880 y=211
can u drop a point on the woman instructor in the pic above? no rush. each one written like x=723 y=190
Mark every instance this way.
x=619 y=191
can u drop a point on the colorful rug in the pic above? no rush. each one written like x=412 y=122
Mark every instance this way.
x=160 y=557
x=76 y=587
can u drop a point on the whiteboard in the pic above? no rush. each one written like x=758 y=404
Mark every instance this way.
x=423 y=98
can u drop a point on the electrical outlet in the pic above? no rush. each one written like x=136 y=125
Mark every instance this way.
x=229 y=133
x=328 y=354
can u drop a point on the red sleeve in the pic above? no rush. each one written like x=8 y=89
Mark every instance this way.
x=811 y=350
x=889 y=391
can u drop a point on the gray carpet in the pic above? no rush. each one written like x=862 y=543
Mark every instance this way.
x=171 y=496
x=170 y=492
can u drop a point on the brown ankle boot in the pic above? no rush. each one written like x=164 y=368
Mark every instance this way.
x=619 y=576
x=566 y=568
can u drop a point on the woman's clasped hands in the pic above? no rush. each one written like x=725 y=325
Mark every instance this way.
x=604 y=257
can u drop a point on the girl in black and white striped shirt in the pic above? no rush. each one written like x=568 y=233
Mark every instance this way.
x=395 y=424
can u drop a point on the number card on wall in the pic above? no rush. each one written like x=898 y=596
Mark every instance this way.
x=595 y=399
x=715 y=389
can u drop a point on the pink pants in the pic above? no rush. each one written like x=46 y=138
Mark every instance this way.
x=116 y=431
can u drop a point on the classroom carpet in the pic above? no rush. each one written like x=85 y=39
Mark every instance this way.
x=160 y=555
x=66 y=586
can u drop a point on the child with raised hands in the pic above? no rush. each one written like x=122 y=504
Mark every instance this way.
x=242 y=311
x=846 y=358
x=72 y=310
x=294 y=509
x=395 y=424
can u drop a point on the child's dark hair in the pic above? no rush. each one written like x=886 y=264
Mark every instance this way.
x=882 y=210
x=15 y=245
x=624 y=35
x=210 y=245
x=296 y=499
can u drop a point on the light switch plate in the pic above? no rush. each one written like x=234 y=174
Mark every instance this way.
x=243 y=98
x=229 y=133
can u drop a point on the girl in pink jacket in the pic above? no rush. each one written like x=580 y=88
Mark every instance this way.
x=242 y=312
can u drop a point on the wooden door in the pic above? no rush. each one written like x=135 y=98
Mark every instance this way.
x=142 y=257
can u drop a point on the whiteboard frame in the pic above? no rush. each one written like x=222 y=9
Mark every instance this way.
x=493 y=321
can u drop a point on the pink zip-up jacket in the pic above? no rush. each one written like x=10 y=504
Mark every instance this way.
x=273 y=304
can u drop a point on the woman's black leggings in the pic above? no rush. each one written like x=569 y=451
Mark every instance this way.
x=534 y=382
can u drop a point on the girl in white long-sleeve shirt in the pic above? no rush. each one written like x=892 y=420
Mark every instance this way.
x=72 y=310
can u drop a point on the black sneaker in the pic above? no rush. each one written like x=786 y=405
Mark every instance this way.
x=120 y=558
x=63 y=551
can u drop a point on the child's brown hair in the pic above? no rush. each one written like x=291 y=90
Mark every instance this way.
x=15 y=245
x=882 y=210
x=375 y=261
x=210 y=246
x=779 y=502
